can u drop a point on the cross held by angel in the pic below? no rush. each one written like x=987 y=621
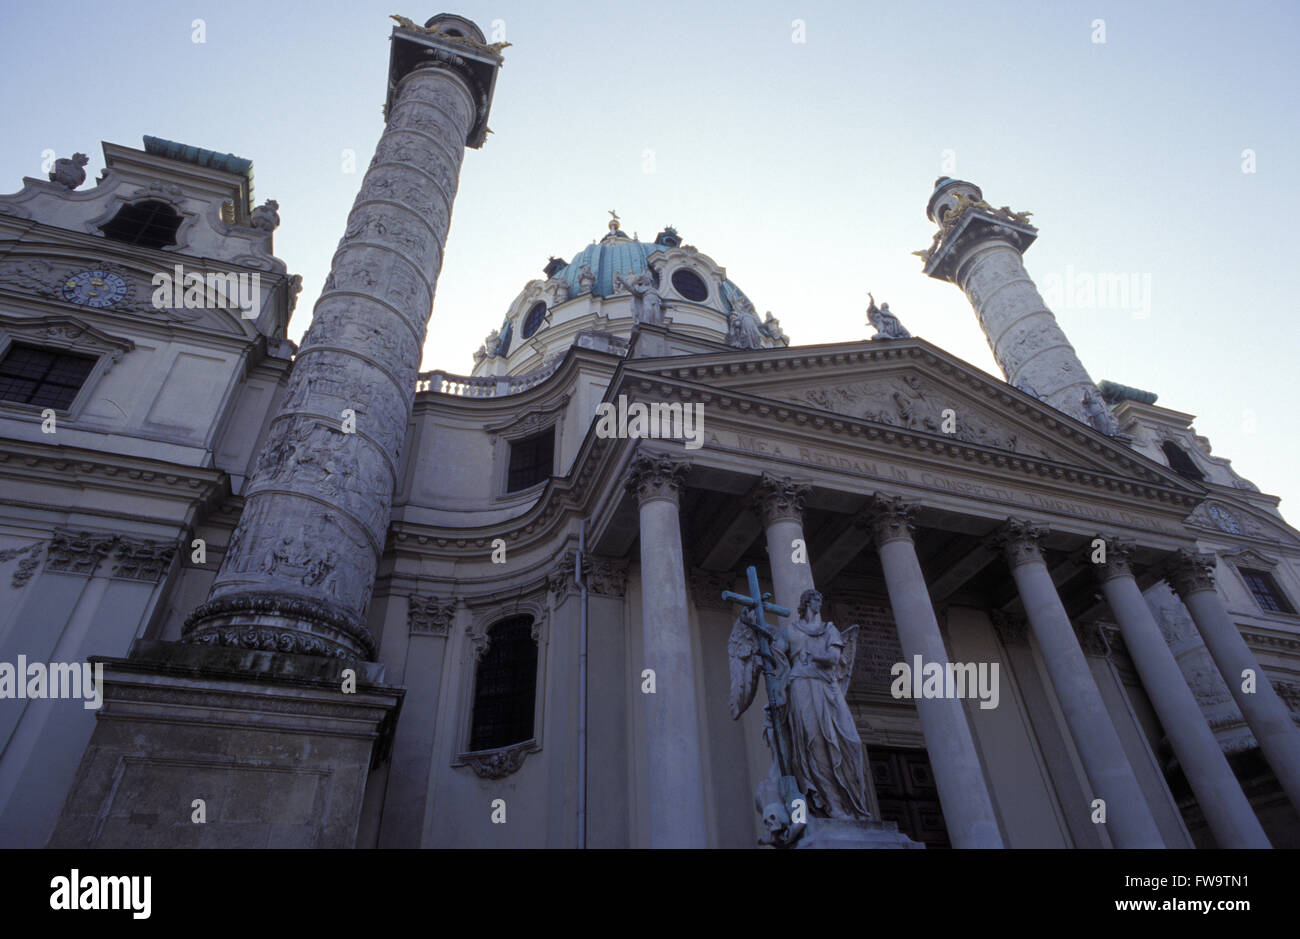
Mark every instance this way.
x=807 y=664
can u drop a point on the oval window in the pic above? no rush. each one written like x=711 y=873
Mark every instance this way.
x=690 y=286
x=533 y=321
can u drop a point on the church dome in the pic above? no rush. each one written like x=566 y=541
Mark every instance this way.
x=580 y=299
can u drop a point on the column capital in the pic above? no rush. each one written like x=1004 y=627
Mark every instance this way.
x=1119 y=559
x=1190 y=571
x=653 y=475
x=888 y=518
x=1020 y=541
x=777 y=498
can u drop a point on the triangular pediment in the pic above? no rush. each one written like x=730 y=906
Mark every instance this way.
x=919 y=390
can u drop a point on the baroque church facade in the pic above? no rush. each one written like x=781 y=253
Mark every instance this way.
x=339 y=602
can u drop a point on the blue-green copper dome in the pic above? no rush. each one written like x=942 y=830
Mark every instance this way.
x=626 y=256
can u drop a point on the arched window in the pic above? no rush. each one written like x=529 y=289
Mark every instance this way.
x=533 y=321
x=1179 y=461
x=505 y=686
x=149 y=224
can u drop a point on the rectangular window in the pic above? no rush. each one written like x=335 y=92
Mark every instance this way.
x=1266 y=591
x=531 y=460
x=42 y=377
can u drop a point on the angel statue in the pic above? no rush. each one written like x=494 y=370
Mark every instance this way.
x=818 y=754
x=886 y=323
x=647 y=304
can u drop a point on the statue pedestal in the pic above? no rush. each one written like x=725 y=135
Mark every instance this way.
x=277 y=751
x=847 y=833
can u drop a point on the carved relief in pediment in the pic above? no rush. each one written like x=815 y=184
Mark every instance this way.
x=914 y=403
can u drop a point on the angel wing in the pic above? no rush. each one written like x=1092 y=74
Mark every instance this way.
x=746 y=664
x=844 y=670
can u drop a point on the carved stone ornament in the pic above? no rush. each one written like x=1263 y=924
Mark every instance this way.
x=498 y=764
x=889 y=519
x=30 y=560
x=1190 y=571
x=656 y=476
x=778 y=498
x=707 y=587
x=1020 y=540
x=277 y=623
x=1012 y=628
x=78 y=552
x=1091 y=640
x=70 y=173
x=143 y=560
x=429 y=615
x=605 y=577
x=917 y=403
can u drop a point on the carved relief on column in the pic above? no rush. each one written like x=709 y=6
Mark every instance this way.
x=889 y=518
x=429 y=616
x=777 y=498
x=1020 y=540
x=1119 y=559
x=78 y=552
x=1189 y=572
x=656 y=476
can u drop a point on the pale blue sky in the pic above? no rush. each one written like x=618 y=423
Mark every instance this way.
x=802 y=168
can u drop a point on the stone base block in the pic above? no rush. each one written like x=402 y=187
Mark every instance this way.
x=270 y=742
x=846 y=833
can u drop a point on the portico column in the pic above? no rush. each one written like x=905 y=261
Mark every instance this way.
x=1129 y=818
x=963 y=793
x=672 y=728
x=779 y=502
x=1192 y=576
x=1217 y=791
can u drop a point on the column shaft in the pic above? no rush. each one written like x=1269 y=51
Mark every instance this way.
x=1226 y=808
x=963 y=792
x=1129 y=818
x=300 y=567
x=1269 y=718
x=673 y=759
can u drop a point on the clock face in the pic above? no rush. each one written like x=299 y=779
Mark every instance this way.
x=94 y=288
x=1225 y=519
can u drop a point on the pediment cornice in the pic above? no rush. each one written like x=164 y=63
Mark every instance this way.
x=1006 y=427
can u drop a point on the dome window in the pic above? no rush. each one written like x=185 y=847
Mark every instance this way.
x=149 y=224
x=689 y=285
x=533 y=321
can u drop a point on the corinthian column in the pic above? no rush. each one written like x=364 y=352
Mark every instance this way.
x=779 y=502
x=1129 y=818
x=963 y=792
x=1192 y=576
x=674 y=767
x=1217 y=791
x=299 y=570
